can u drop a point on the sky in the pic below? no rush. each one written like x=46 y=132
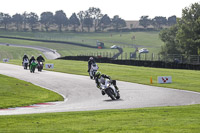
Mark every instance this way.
x=126 y=9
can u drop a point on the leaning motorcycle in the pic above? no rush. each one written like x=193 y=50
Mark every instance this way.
x=93 y=70
x=33 y=65
x=110 y=90
x=40 y=66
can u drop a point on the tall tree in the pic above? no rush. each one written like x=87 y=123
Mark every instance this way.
x=33 y=20
x=1 y=17
x=117 y=22
x=96 y=15
x=47 y=19
x=145 y=21
x=60 y=19
x=25 y=19
x=88 y=21
x=168 y=36
x=185 y=35
x=81 y=16
x=74 y=21
x=171 y=20
x=158 y=21
x=18 y=20
x=105 y=22
x=6 y=20
x=189 y=32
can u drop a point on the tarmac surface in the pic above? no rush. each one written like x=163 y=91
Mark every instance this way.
x=80 y=93
x=48 y=53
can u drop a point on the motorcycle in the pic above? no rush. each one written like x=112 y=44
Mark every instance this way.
x=33 y=65
x=108 y=88
x=40 y=66
x=93 y=70
x=25 y=63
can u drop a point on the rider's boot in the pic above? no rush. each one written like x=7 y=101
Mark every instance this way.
x=116 y=88
x=102 y=92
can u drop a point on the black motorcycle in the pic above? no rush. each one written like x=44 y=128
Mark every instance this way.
x=40 y=66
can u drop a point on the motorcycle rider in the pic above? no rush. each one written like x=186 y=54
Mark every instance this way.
x=40 y=58
x=100 y=78
x=40 y=61
x=90 y=62
x=31 y=60
x=25 y=58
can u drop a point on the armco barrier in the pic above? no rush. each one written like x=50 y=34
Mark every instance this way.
x=156 y=64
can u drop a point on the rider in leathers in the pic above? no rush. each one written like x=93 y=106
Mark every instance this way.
x=25 y=57
x=40 y=58
x=90 y=62
x=100 y=78
x=32 y=59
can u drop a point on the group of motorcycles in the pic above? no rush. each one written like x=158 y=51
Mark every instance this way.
x=106 y=85
x=33 y=65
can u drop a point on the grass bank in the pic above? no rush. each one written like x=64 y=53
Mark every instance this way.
x=16 y=93
x=182 y=119
x=16 y=53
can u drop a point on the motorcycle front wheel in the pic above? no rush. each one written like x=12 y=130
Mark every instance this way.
x=110 y=93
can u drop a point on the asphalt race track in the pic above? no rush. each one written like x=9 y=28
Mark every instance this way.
x=81 y=94
x=49 y=53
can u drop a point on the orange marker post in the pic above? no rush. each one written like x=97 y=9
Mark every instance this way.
x=151 y=81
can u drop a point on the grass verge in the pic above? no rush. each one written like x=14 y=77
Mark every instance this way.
x=182 y=119
x=16 y=93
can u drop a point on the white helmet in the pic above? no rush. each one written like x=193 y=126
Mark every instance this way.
x=91 y=58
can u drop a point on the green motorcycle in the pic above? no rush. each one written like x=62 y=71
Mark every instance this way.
x=33 y=65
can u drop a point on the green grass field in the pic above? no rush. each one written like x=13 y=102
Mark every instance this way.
x=16 y=93
x=16 y=53
x=180 y=119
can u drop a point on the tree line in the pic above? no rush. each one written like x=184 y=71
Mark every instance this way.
x=183 y=37
x=157 y=22
x=91 y=18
